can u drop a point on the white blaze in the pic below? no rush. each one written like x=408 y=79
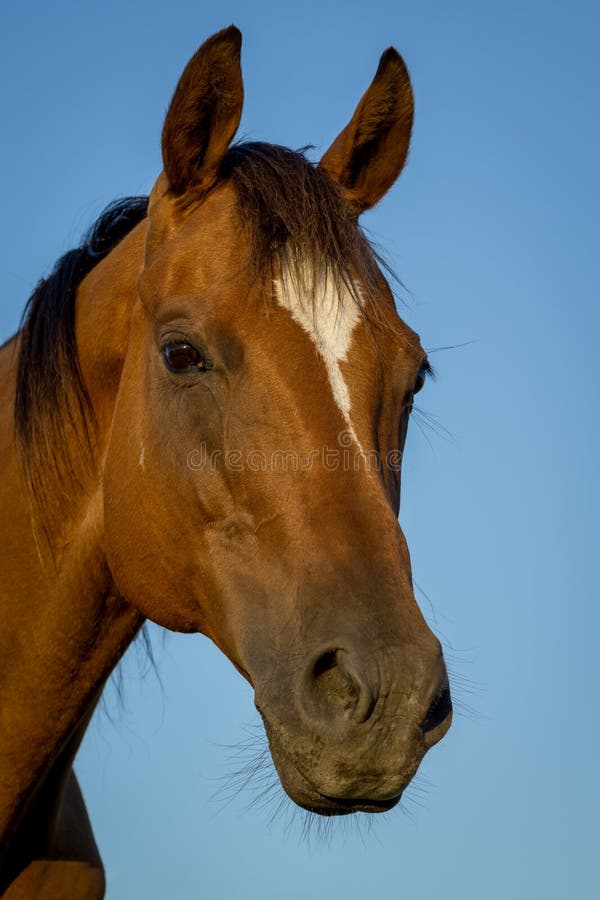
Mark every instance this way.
x=329 y=316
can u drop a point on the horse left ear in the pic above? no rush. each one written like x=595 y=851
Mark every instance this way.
x=204 y=113
x=368 y=155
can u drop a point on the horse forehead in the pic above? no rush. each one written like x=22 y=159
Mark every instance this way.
x=326 y=311
x=329 y=313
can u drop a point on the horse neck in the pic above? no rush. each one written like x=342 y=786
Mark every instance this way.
x=64 y=625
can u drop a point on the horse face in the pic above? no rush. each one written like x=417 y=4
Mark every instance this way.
x=252 y=476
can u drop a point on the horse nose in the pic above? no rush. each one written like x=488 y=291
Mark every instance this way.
x=335 y=688
x=340 y=687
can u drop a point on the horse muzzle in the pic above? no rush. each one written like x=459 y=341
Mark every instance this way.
x=357 y=724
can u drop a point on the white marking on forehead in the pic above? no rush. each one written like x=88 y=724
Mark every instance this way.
x=142 y=455
x=329 y=316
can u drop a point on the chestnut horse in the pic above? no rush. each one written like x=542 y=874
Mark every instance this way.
x=203 y=417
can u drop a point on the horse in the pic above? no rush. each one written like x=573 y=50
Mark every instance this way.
x=203 y=419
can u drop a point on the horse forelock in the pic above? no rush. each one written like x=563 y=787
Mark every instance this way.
x=297 y=219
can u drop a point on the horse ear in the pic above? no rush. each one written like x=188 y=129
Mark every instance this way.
x=368 y=155
x=204 y=113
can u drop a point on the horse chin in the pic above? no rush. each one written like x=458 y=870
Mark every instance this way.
x=308 y=797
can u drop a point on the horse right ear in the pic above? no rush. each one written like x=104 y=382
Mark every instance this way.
x=368 y=155
x=204 y=114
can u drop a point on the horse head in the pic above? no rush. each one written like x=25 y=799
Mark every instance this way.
x=251 y=482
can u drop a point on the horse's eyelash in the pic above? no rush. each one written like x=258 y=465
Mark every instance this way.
x=428 y=371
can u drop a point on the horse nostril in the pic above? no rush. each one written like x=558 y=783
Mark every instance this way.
x=324 y=663
x=338 y=685
x=439 y=709
x=334 y=685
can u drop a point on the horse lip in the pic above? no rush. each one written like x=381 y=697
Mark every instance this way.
x=310 y=798
x=340 y=807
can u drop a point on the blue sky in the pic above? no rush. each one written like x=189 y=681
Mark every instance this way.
x=493 y=229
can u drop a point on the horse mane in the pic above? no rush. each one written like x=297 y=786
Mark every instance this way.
x=51 y=397
x=296 y=220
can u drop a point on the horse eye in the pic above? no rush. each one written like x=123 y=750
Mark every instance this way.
x=180 y=356
x=419 y=383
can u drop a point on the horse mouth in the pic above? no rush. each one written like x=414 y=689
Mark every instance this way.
x=304 y=794
x=335 y=806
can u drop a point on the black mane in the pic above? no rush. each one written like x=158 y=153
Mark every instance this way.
x=51 y=396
